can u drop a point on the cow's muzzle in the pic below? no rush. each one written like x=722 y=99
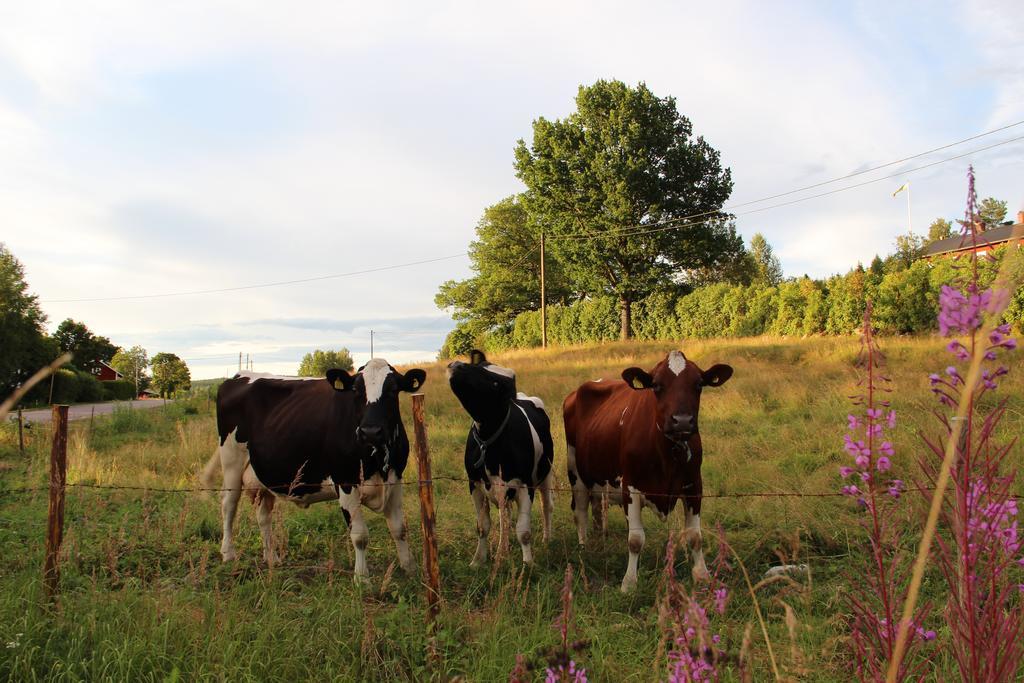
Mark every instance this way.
x=681 y=426
x=371 y=434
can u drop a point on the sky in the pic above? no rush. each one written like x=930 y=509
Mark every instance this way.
x=157 y=148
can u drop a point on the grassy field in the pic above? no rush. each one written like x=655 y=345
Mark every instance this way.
x=145 y=597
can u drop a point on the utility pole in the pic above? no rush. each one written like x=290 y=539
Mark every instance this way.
x=543 y=303
x=371 y=344
x=239 y=361
x=247 y=362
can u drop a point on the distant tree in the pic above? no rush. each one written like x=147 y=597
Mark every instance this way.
x=625 y=158
x=88 y=349
x=940 y=229
x=909 y=248
x=768 y=268
x=317 y=363
x=24 y=347
x=506 y=263
x=170 y=374
x=735 y=267
x=992 y=212
x=132 y=363
x=876 y=271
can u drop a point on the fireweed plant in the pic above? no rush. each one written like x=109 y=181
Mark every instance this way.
x=561 y=666
x=694 y=652
x=880 y=585
x=978 y=544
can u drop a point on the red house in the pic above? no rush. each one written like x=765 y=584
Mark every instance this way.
x=104 y=372
x=983 y=242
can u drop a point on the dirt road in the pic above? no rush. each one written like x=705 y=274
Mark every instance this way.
x=84 y=410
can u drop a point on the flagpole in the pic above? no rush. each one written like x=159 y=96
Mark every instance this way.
x=910 y=225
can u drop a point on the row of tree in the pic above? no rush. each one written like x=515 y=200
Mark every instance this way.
x=27 y=347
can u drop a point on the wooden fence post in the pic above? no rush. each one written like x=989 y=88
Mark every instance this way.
x=55 y=517
x=21 y=433
x=427 y=513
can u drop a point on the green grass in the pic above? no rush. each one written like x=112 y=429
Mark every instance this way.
x=145 y=597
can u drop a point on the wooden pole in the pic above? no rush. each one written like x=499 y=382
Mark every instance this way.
x=92 y=419
x=427 y=513
x=21 y=433
x=55 y=516
x=371 y=344
x=543 y=303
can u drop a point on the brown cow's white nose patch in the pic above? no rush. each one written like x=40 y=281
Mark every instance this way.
x=676 y=362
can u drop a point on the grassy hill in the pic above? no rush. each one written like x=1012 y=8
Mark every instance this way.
x=145 y=595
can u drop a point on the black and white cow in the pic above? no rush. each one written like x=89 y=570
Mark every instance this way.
x=511 y=435
x=309 y=440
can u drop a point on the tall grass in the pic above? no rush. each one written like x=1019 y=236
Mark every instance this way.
x=144 y=594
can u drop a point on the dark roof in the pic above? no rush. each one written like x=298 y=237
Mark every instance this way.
x=993 y=236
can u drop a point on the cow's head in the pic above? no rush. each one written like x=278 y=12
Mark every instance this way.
x=482 y=387
x=376 y=386
x=677 y=383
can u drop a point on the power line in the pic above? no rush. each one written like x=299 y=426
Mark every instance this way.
x=620 y=232
x=676 y=224
x=261 y=285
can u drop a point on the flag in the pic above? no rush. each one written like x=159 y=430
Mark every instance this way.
x=904 y=186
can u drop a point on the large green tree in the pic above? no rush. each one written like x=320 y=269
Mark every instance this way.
x=87 y=348
x=505 y=259
x=626 y=158
x=132 y=363
x=317 y=363
x=24 y=347
x=170 y=373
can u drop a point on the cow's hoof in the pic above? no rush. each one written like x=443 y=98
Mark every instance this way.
x=628 y=584
x=228 y=556
x=362 y=580
x=409 y=568
x=700 y=574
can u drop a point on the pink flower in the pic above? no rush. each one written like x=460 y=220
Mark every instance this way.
x=845 y=471
x=886 y=448
x=721 y=597
x=895 y=488
x=853 y=422
x=892 y=419
x=883 y=464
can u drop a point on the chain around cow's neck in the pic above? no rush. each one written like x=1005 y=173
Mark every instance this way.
x=483 y=444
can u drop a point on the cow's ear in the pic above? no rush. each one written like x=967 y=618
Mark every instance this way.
x=716 y=375
x=412 y=380
x=477 y=357
x=637 y=378
x=340 y=379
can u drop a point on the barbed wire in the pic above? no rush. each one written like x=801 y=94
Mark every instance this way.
x=427 y=482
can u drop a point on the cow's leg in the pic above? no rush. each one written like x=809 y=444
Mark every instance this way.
x=360 y=535
x=483 y=522
x=547 y=503
x=523 y=522
x=694 y=540
x=636 y=538
x=580 y=497
x=233 y=460
x=396 y=523
x=264 y=515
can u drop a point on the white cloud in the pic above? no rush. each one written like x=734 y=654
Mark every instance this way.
x=166 y=147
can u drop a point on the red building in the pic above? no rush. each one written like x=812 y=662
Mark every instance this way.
x=981 y=244
x=105 y=373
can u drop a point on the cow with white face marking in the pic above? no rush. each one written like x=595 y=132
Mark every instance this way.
x=308 y=440
x=637 y=439
x=509 y=448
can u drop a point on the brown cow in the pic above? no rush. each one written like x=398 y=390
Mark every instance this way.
x=638 y=440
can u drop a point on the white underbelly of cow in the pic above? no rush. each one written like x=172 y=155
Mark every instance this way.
x=251 y=483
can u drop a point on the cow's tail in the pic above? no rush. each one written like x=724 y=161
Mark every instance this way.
x=208 y=477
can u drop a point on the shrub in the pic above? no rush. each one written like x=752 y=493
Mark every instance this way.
x=118 y=390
